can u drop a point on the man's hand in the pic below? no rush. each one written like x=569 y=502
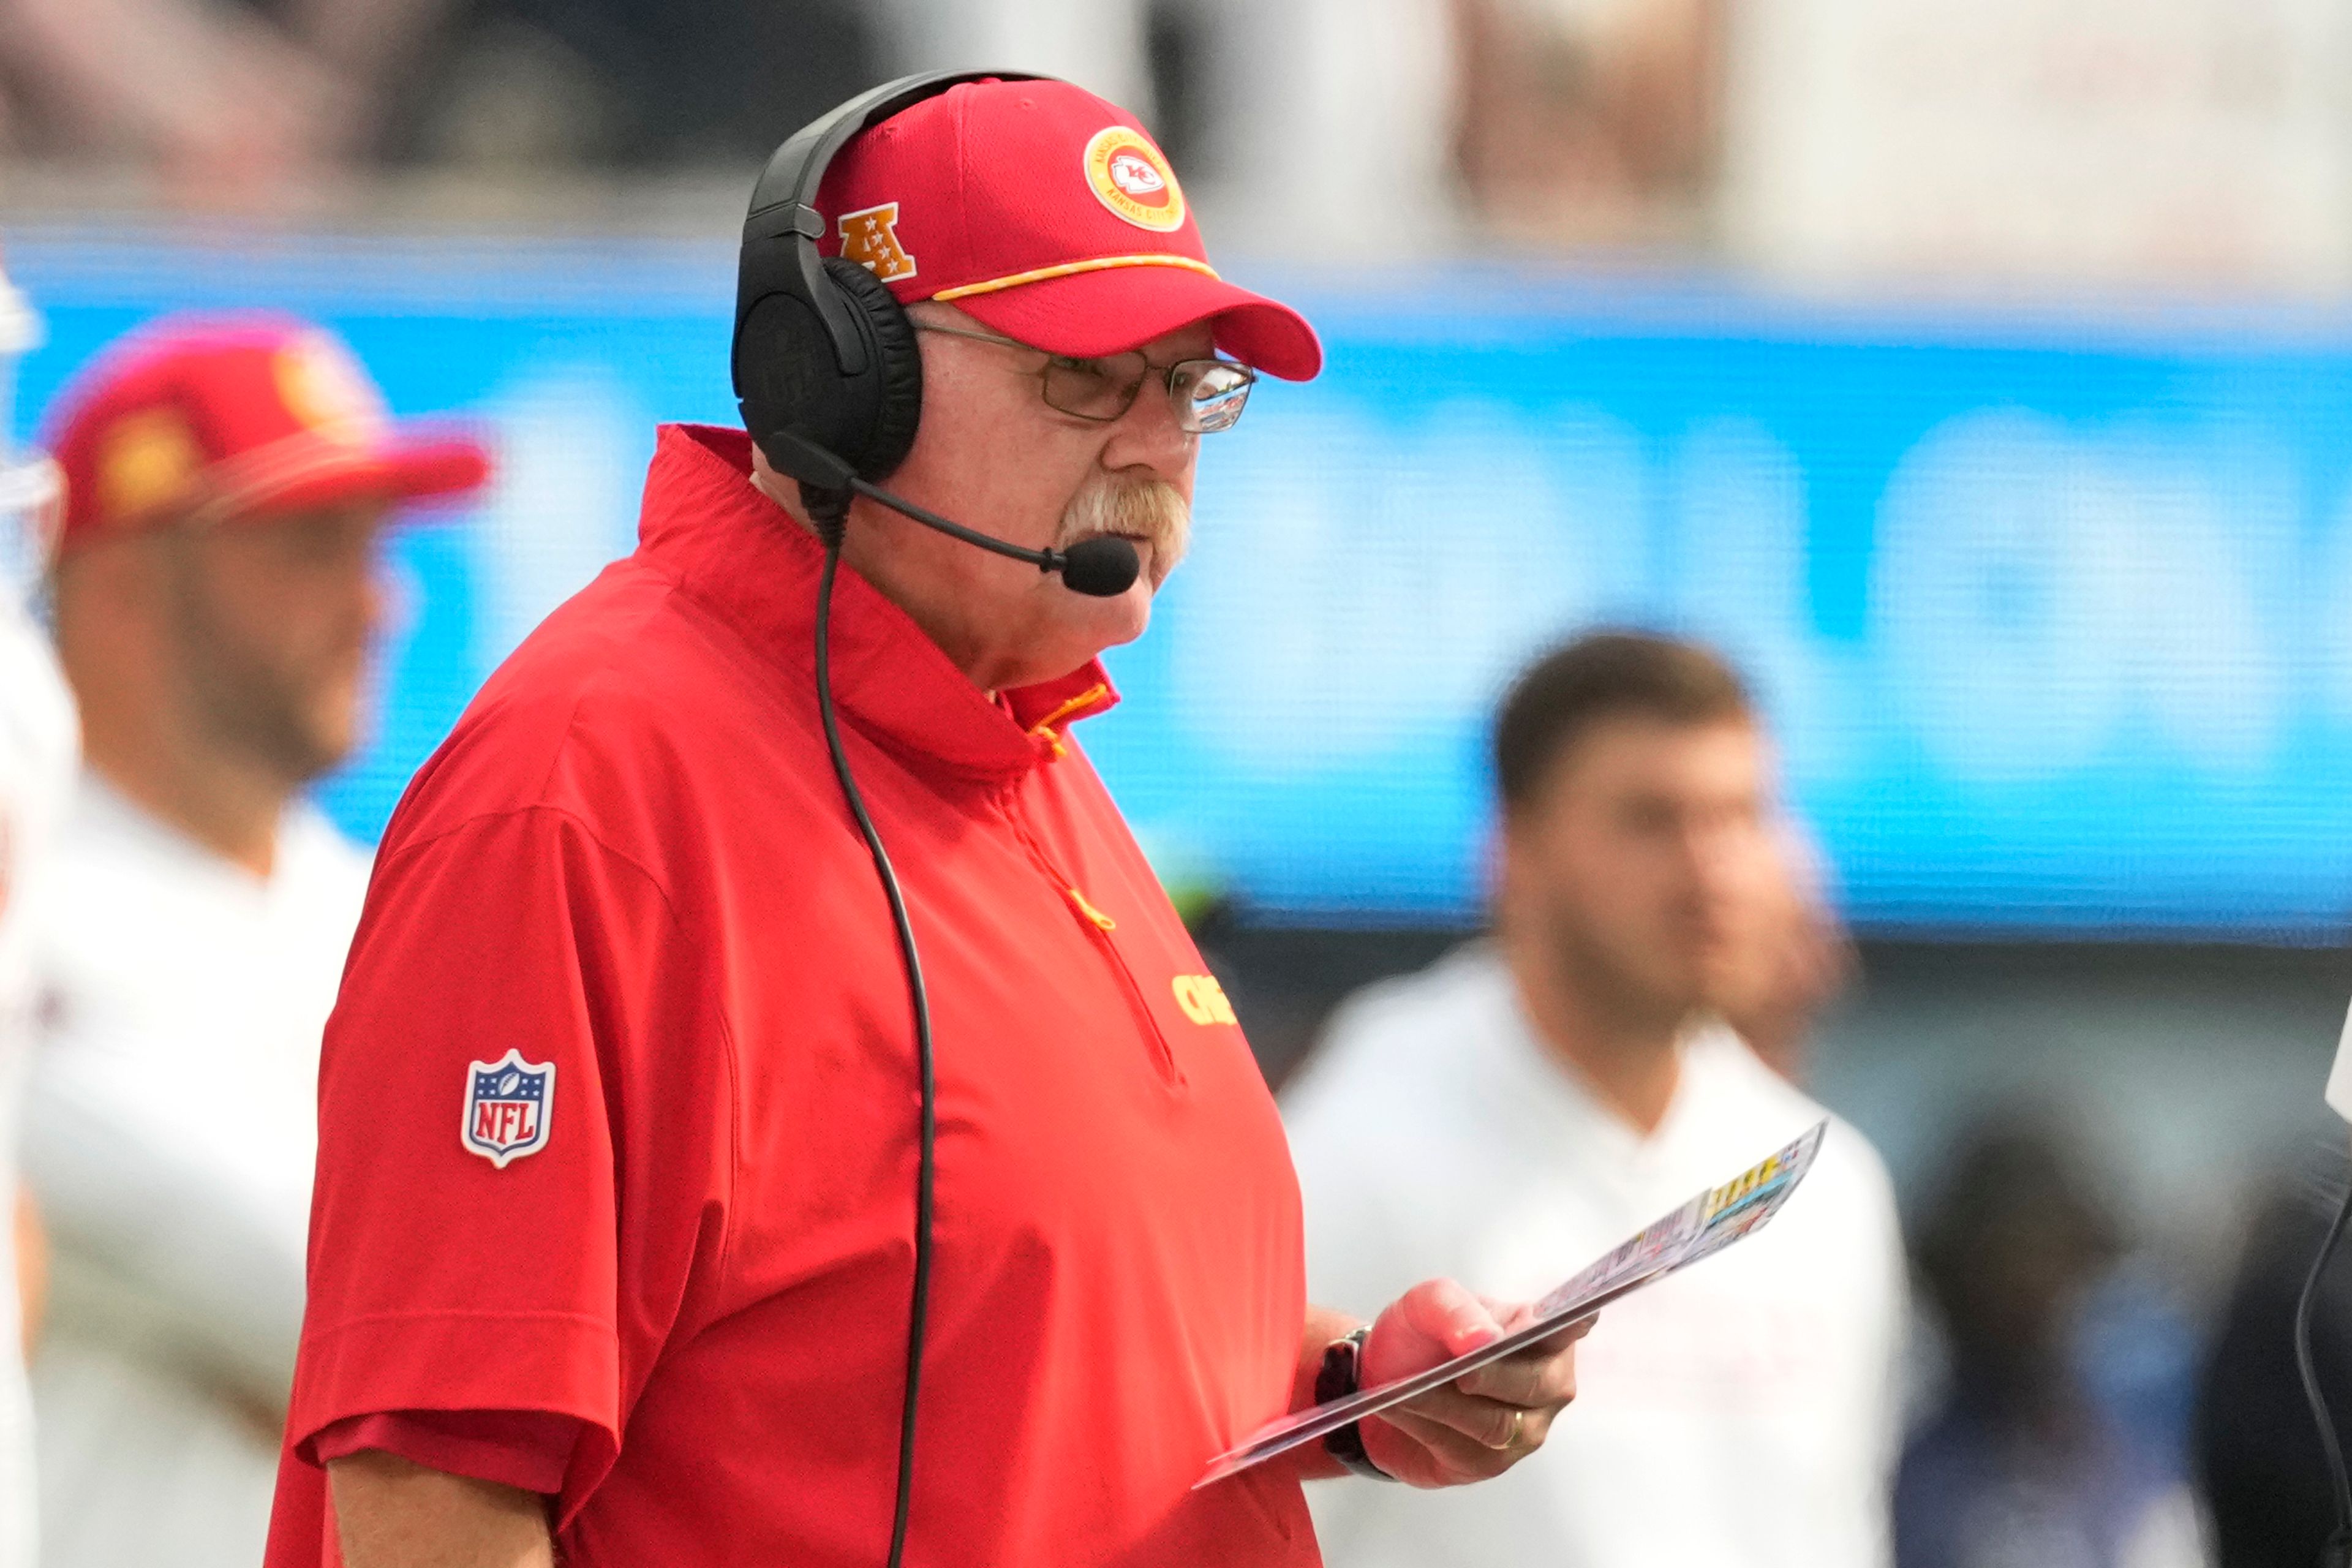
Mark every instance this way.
x=1481 y=1424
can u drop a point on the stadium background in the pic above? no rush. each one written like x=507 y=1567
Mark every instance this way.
x=1979 y=375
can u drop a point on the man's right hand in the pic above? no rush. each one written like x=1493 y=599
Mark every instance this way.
x=393 y=1513
x=1484 y=1422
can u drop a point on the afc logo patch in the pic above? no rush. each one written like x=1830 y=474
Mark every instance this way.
x=509 y=1104
x=869 y=236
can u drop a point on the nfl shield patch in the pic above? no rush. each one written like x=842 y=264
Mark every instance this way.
x=508 y=1104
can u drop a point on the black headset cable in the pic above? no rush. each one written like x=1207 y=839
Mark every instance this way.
x=831 y=516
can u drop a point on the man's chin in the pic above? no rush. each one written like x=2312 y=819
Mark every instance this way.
x=1126 y=618
x=1679 y=990
x=1063 y=644
x=325 y=738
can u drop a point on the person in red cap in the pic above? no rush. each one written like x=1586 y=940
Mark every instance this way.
x=225 y=482
x=615 y=1234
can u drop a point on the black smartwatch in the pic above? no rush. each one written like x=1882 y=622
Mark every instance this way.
x=1336 y=1378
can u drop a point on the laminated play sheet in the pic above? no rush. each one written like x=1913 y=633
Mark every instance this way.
x=1708 y=1223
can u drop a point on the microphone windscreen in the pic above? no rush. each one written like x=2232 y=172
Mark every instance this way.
x=1102 y=567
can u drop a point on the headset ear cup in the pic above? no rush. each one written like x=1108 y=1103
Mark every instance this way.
x=897 y=403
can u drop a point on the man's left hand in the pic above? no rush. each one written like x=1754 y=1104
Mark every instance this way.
x=1481 y=1424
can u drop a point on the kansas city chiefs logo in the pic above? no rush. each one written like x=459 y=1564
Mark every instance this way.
x=1137 y=177
x=1129 y=175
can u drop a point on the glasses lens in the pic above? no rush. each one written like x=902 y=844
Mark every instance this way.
x=1094 y=388
x=1211 y=393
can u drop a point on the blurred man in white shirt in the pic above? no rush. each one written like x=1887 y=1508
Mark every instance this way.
x=37 y=740
x=215 y=590
x=1529 y=1102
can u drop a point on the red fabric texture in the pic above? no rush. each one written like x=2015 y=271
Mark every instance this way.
x=529 y=1449
x=630 y=864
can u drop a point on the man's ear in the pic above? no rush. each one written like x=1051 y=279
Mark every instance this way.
x=112 y=604
x=1509 y=869
x=104 y=573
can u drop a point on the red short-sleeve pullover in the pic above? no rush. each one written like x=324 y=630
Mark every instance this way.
x=617 y=1110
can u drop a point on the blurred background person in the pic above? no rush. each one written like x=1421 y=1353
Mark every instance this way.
x=215 y=99
x=503 y=87
x=257 y=107
x=2263 y=1476
x=216 y=593
x=38 y=738
x=2024 y=1462
x=1529 y=1103
x=1590 y=121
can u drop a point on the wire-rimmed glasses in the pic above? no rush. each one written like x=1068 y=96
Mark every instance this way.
x=1209 y=395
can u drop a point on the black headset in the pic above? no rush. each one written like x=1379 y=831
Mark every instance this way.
x=826 y=369
x=830 y=380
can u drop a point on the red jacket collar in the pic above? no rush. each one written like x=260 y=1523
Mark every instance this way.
x=736 y=551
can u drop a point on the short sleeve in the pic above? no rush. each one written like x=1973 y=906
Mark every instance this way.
x=527 y=1449
x=491 y=1127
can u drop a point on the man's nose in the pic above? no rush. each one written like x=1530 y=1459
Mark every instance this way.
x=1150 y=435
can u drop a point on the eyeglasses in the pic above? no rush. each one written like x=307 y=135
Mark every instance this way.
x=1209 y=395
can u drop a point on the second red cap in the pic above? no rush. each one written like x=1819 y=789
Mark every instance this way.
x=232 y=416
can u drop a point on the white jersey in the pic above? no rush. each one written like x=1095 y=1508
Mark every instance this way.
x=37 y=742
x=170 y=1138
x=2339 y=1077
x=1744 y=1413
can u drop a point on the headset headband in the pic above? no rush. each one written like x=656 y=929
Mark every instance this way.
x=783 y=202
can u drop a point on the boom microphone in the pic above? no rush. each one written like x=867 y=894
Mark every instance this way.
x=1101 y=566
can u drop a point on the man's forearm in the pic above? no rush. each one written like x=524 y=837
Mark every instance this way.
x=392 y=1513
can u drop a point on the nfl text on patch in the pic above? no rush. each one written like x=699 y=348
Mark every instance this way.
x=510 y=1105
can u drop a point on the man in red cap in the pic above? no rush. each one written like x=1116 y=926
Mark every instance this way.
x=225 y=482
x=614 y=1236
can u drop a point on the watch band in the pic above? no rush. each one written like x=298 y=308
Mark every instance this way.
x=1338 y=1377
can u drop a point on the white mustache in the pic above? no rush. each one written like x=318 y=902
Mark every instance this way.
x=1150 y=509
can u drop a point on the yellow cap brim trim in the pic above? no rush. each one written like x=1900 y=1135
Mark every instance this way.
x=1069 y=269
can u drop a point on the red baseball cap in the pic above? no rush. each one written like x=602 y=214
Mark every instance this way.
x=1053 y=217
x=236 y=417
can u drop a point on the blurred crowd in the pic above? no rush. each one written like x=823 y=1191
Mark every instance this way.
x=2158 y=141
x=1400 y=104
